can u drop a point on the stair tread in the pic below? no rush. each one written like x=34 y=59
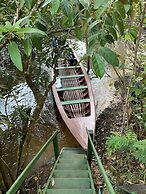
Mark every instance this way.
x=74 y=150
x=72 y=155
x=70 y=183
x=75 y=161
x=72 y=166
x=71 y=173
x=70 y=191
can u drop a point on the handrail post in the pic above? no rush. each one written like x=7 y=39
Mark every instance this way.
x=100 y=190
x=89 y=149
x=56 y=147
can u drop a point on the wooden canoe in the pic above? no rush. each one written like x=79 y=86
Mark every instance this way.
x=74 y=98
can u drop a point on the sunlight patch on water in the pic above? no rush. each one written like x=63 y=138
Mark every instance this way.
x=20 y=95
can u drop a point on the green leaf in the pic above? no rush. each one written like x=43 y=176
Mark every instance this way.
x=112 y=31
x=98 y=3
x=109 y=38
x=120 y=8
x=102 y=38
x=84 y=3
x=109 y=20
x=22 y=21
x=29 y=4
x=91 y=45
x=78 y=32
x=134 y=31
x=98 y=64
x=3 y=29
x=67 y=8
x=41 y=26
x=93 y=24
x=55 y=6
x=15 y=55
x=21 y=3
x=109 y=56
x=36 y=41
x=127 y=7
x=31 y=30
x=139 y=150
x=1 y=37
x=27 y=46
x=8 y=26
x=46 y=3
x=101 y=10
x=119 y=21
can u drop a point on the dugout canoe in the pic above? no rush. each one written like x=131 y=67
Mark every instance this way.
x=74 y=98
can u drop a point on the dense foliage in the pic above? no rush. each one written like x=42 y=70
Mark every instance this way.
x=27 y=28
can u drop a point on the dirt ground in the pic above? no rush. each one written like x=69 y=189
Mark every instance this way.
x=109 y=120
x=119 y=169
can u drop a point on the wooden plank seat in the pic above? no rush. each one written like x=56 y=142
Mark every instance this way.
x=70 y=76
x=72 y=88
x=75 y=101
x=68 y=67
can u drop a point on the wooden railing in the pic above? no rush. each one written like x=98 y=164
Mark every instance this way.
x=16 y=185
x=91 y=149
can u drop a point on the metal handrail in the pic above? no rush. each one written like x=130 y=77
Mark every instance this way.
x=16 y=185
x=101 y=168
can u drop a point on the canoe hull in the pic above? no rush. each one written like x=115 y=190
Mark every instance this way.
x=79 y=124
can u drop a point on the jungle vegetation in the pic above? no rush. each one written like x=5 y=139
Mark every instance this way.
x=27 y=28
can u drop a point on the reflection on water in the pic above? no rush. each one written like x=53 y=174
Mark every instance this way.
x=50 y=121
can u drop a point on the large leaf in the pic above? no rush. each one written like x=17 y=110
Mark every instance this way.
x=67 y=8
x=109 y=56
x=84 y=3
x=29 y=30
x=98 y=3
x=36 y=41
x=109 y=39
x=29 y=4
x=101 y=10
x=78 y=32
x=1 y=37
x=3 y=29
x=120 y=8
x=15 y=55
x=133 y=32
x=8 y=26
x=22 y=21
x=21 y=3
x=102 y=38
x=112 y=31
x=109 y=20
x=127 y=7
x=92 y=42
x=98 y=64
x=55 y=6
x=93 y=24
x=119 y=21
x=27 y=46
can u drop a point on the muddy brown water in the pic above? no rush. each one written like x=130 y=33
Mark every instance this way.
x=50 y=121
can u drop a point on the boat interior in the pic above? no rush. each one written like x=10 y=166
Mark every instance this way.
x=72 y=89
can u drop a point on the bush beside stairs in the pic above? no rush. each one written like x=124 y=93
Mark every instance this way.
x=71 y=174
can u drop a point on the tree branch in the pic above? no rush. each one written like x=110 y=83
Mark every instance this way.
x=134 y=67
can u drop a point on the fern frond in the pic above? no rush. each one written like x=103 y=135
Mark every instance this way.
x=116 y=142
x=139 y=151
